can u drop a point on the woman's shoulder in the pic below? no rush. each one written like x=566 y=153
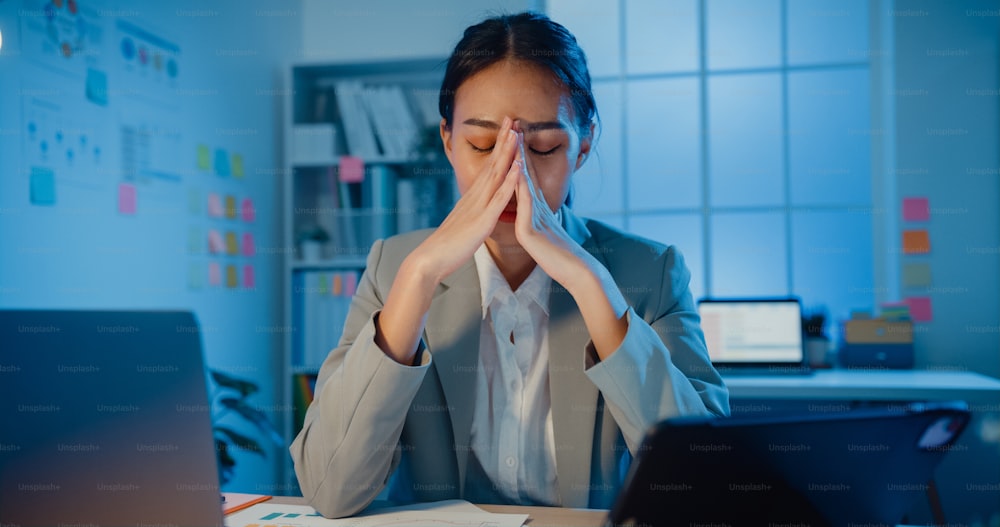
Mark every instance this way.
x=619 y=244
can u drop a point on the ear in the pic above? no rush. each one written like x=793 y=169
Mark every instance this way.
x=586 y=143
x=446 y=138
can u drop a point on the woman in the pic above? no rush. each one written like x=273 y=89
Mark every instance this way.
x=517 y=353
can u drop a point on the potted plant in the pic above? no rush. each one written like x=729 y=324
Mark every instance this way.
x=311 y=240
x=230 y=397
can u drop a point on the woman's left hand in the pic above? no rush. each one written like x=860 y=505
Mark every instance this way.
x=541 y=235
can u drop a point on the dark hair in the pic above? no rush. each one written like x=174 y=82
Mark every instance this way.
x=530 y=37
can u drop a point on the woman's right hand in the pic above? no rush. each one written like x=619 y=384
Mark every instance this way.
x=401 y=322
x=475 y=214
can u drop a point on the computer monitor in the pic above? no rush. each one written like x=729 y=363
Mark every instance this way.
x=759 y=333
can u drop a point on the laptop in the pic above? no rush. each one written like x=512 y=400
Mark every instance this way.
x=865 y=467
x=105 y=419
x=754 y=336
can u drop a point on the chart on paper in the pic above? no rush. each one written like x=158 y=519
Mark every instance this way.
x=277 y=515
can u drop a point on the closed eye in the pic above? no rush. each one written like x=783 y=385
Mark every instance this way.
x=547 y=152
x=478 y=150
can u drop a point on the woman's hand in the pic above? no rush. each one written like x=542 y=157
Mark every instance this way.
x=600 y=301
x=475 y=215
x=399 y=325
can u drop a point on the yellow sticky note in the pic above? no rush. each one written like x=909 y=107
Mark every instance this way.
x=230 y=207
x=204 y=158
x=232 y=246
x=916 y=241
x=232 y=278
x=237 y=167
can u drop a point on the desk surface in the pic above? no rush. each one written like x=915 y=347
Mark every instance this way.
x=537 y=516
x=882 y=385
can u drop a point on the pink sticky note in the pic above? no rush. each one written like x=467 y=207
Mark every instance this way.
x=126 y=198
x=916 y=209
x=352 y=169
x=216 y=244
x=249 y=213
x=920 y=308
x=249 y=249
x=215 y=206
x=350 y=283
x=214 y=274
x=249 y=280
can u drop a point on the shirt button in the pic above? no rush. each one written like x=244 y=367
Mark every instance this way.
x=511 y=461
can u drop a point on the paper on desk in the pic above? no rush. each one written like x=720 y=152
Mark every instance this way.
x=453 y=513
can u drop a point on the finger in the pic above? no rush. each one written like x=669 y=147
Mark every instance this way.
x=525 y=208
x=504 y=149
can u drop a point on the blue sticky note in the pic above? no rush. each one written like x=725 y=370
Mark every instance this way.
x=221 y=163
x=97 y=87
x=43 y=186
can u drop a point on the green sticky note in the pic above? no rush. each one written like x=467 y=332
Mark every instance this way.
x=204 y=158
x=916 y=275
x=194 y=201
x=196 y=276
x=43 y=186
x=195 y=238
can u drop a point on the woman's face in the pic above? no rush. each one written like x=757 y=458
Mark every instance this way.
x=542 y=107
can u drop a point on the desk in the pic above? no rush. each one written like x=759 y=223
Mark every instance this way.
x=862 y=385
x=537 y=516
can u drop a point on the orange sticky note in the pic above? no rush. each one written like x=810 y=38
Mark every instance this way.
x=338 y=285
x=352 y=169
x=916 y=241
x=920 y=308
x=232 y=277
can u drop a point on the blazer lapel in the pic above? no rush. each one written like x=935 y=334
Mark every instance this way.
x=452 y=335
x=574 y=396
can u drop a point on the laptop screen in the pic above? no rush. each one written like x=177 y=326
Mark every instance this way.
x=755 y=331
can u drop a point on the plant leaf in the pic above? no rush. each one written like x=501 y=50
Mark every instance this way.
x=245 y=388
x=255 y=416
x=241 y=441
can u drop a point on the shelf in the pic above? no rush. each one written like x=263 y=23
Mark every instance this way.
x=330 y=263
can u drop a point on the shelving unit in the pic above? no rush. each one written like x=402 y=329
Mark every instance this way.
x=389 y=194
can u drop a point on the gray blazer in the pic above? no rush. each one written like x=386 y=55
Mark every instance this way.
x=372 y=417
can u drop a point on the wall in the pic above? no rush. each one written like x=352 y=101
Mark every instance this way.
x=948 y=149
x=104 y=195
x=358 y=31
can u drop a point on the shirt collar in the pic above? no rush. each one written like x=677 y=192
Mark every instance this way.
x=492 y=282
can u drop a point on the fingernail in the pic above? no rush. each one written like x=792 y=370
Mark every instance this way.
x=506 y=122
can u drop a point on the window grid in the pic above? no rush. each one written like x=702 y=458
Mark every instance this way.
x=703 y=74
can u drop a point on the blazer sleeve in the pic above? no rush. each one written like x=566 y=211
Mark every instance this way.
x=348 y=446
x=662 y=368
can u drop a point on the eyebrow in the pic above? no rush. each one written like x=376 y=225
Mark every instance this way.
x=526 y=125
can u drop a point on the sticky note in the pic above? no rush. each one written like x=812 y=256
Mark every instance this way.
x=215 y=206
x=214 y=274
x=194 y=201
x=196 y=276
x=194 y=240
x=230 y=207
x=920 y=308
x=204 y=158
x=352 y=169
x=324 y=286
x=350 y=283
x=247 y=210
x=338 y=285
x=232 y=277
x=249 y=248
x=221 y=163
x=215 y=243
x=916 y=209
x=916 y=275
x=43 y=186
x=126 y=198
x=249 y=280
x=237 y=166
x=97 y=87
x=232 y=246
x=916 y=241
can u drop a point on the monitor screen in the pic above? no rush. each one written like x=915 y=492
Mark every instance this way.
x=752 y=331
